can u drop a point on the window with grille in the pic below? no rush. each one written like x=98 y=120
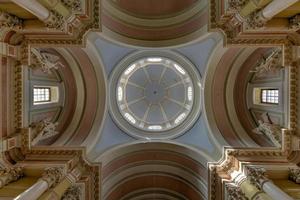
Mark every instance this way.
x=41 y=94
x=269 y=96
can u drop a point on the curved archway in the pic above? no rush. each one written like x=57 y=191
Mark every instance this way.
x=153 y=169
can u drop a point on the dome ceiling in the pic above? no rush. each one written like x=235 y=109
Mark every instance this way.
x=154 y=94
x=148 y=22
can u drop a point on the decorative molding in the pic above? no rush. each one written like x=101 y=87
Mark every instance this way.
x=227 y=19
x=18 y=95
x=74 y=30
x=235 y=159
x=10 y=21
x=74 y=156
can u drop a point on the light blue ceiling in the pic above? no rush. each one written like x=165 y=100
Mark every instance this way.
x=197 y=137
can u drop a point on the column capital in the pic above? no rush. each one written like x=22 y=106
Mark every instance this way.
x=74 y=5
x=55 y=20
x=294 y=22
x=256 y=20
x=53 y=175
x=234 y=192
x=256 y=176
x=10 y=21
x=294 y=175
x=72 y=193
x=10 y=174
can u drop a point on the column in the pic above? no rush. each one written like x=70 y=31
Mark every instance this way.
x=34 y=7
x=256 y=176
x=268 y=12
x=51 y=177
x=9 y=175
x=248 y=189
x=276 y=7
x=58 y=191
x=253 y=5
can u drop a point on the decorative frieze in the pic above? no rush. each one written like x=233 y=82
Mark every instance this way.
x=72 y=193
x=10 y=21
x=42 y=130
x=47 y=61
x=53 y=175
x=294 y=175
x=18 y=96
x=272 y=131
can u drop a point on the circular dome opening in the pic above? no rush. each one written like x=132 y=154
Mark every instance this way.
x=153 y=95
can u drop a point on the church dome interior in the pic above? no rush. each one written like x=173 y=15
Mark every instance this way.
x=149 y=100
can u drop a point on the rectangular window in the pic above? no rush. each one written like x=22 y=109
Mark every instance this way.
x=41 y=94
x=269 y=96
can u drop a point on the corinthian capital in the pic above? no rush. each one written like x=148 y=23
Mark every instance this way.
x=74 y=5
x=72 y=193
x=256 y=21
x=256 y=176
x=294 y=175
x=53 y=175
x=234 y=192
x=10 y=21
x=9 y=175
x=295 y=22
x=55 y=20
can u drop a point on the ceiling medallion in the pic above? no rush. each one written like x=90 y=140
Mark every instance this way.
x=155 y=94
